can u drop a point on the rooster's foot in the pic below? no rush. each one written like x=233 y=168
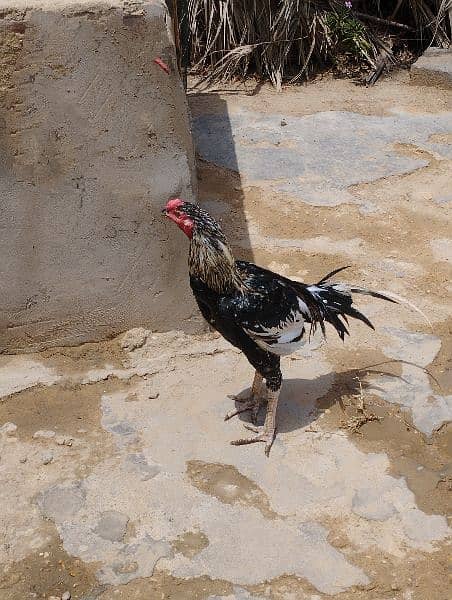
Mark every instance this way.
x=266 y=435
x=252 y=402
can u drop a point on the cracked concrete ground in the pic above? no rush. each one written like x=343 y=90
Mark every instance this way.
x=118 y=480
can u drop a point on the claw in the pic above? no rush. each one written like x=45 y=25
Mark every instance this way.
x=251 y=428
x=266 y=437
x=238 y=399
x=250 y=405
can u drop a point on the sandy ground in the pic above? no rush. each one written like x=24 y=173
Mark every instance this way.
x=118 y=479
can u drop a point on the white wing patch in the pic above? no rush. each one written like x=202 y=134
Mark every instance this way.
x=286 y=337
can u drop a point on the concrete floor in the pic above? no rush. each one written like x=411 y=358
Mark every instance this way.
x=118 y=479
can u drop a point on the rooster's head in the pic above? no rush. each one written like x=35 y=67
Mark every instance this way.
x=210 y=259
x=192 y=219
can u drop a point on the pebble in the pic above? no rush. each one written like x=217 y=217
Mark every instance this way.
x=82 y=431
x=46 y=457
x=133 y=339
x=43 y=434
x=53 y=598
x=9 y=428
x=66 y=596
x=63 y=440
x=23 y=459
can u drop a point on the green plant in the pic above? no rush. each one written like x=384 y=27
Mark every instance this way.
x=349 y=35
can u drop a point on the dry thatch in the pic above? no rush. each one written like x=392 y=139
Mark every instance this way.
x=285 y=40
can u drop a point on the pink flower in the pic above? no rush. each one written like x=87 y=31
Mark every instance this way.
x=348 y=5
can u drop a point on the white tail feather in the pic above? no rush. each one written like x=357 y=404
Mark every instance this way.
x=402 y=300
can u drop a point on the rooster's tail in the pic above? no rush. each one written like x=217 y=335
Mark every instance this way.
x=334 y=303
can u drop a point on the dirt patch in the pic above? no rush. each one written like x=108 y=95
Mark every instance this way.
x=163 y=586
x=441 y=138
x=416 y=577
x=227 y=484
x=63 y=408
x=325 y=93
x=48 y=572
x=287 y=586
x=190 y=543
x=421 y=461
x=441 y=367
x=73 y=360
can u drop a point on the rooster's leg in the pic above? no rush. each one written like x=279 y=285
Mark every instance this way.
x=252 y=402
x=267 y=435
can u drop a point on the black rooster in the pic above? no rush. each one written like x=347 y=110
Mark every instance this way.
x=256 y=310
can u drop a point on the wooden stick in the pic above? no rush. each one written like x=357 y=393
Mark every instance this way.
x=382 y=21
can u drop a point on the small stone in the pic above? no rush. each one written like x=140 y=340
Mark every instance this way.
x=135 y=338
x=82 y=431
x=66 y=596
x=9 y=429
x=53 y=598
x=47 y=458
x=63 y=440
x=44 y=434
x=154 y=395
x=23 y=459
x=283 y=123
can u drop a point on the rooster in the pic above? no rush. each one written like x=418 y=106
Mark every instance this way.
x=262 y=313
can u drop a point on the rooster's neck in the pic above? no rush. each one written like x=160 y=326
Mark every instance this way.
x=211 y=260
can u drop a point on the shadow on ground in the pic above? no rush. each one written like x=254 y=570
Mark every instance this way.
x=212 y=104
x=296 y=410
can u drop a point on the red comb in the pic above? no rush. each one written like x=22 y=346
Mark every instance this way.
x=173 y=203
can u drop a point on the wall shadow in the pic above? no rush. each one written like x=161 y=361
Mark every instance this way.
x=220 y=188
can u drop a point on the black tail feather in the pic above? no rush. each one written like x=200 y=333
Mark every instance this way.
x=329 y=275
x=333 y=304
x=358 y=315
x=379 y=295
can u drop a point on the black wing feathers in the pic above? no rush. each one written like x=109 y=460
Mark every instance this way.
x=270 y=300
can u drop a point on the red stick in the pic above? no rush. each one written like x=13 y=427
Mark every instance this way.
x=162 y=65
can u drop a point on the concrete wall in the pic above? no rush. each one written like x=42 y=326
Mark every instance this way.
x=94 y=137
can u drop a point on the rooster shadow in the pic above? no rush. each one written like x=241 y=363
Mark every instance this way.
x=302 y=400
